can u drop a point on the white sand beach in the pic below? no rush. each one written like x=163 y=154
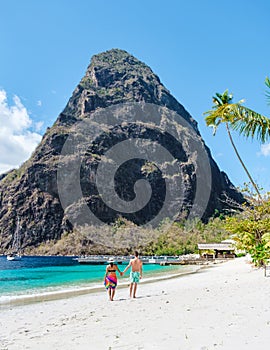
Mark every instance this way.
x=222 y=307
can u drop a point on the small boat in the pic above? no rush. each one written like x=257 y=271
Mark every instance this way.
x=16 y=244
x=13 y=256
x=162 y=259
x=92 y=260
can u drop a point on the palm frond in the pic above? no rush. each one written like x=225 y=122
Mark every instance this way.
x=220 y=114
x=267 y=83
x=250 y=123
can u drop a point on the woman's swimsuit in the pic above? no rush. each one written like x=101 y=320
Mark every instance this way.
x=111 y=279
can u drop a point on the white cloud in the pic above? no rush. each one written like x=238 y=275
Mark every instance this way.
x=17 y=141
x=39 y=125
x=265 y=150
x=39 y=103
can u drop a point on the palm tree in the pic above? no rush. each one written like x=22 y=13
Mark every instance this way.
x=239 y=118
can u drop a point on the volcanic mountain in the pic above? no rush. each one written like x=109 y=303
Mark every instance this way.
x=119 y=102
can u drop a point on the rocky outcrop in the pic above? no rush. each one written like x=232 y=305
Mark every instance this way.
x=113 y=78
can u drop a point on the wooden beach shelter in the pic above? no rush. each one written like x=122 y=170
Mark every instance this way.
x=225 y=249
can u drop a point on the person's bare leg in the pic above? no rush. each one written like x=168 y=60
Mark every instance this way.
x=130 y=289
x=112 y=295
x=109 y=293
x=134 y=290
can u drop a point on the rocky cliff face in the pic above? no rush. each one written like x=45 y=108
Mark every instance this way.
x=115 y=84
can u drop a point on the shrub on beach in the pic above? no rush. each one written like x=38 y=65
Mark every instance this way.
x=181 y=238
x=251 y=230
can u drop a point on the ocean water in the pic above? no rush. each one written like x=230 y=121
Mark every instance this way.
x=36 y=276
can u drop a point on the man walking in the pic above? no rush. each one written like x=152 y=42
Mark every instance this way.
x=135 y=274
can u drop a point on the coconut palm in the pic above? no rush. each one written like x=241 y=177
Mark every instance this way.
x=239 y=118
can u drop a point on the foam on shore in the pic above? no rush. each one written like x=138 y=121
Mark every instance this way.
x=219 y=308
x=71 y=291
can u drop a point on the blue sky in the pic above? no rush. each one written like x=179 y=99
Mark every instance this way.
x=196 y=47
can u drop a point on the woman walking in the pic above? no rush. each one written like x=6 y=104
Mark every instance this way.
x=110 y=280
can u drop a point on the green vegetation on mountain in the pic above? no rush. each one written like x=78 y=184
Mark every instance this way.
x=113 y=78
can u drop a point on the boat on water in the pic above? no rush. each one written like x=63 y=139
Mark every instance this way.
x=161 y=259
x=13 y=256
x=16 y=244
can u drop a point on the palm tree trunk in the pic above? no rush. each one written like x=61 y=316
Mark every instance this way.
x=243 y=165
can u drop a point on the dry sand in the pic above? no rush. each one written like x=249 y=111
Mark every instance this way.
x=224 y=307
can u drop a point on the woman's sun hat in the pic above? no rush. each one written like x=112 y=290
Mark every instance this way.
x=111 y=260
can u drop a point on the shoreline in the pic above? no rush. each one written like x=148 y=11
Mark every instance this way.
x=221 y=308
x=69 y=292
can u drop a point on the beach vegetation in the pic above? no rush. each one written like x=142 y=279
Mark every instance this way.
x=251 y=230
x=170 y=238
x=180 y=238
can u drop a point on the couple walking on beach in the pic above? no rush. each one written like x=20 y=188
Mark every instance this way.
x=110 y=280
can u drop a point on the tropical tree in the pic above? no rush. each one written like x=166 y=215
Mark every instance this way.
x=251 y=231
x=242 y=119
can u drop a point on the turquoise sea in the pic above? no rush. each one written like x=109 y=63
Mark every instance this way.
x=36 y=277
